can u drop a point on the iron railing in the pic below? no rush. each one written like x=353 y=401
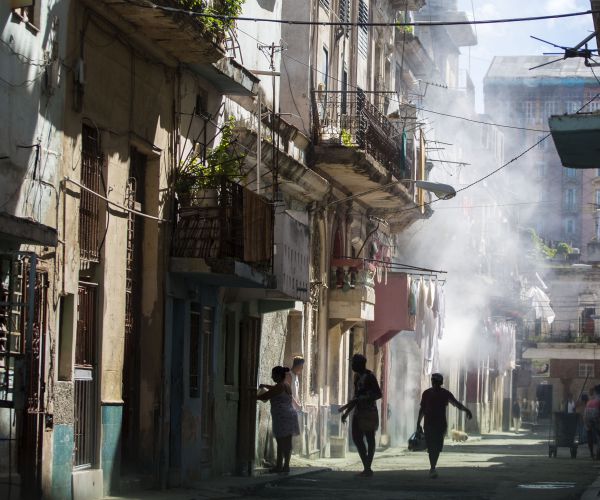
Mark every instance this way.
x=227 y=221
x=349 y=119
x=89 y=205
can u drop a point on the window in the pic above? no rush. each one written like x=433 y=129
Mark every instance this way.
x=570 y=198
x=89 y=205
x=571 y=173
x=551 y=108
x=597 y=200
x=593 y=106
x=325 y=67
x=543 y=145
x=572 y=106
x=542 y=194
x=528 y=108
x=363 y=31
x=27 y=10
x=542 y=170
x=585 y=370
x=569 y=227
x=598 y=172
x=344 y=12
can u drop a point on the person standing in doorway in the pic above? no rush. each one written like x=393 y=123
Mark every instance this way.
x=516 y=415
x=283 y=416
x=570 y=406
x=365 y=419
x=433 y=408
x=293 y=378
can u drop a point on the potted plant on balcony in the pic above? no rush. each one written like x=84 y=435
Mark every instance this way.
x=198 y=182
x=215 y=26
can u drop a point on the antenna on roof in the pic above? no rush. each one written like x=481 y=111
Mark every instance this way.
x=580 y=50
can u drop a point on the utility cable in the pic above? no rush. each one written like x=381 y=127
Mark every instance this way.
x=418 y=108
x=298 y=22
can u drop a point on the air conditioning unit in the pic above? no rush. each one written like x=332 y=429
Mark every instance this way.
x=15 y=4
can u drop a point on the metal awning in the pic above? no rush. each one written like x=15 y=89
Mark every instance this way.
x=19 y=230
x=577 y=139
x=229 y=77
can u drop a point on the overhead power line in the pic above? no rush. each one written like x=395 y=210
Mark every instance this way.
x=418 y=108
x=299 y=22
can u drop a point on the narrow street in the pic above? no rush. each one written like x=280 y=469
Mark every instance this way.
x=500 y=466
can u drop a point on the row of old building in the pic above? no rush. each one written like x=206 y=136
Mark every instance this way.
x=187 y=202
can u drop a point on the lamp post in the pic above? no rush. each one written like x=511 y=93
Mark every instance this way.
x=442 y=191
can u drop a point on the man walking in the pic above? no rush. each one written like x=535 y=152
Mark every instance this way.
x=433 y=407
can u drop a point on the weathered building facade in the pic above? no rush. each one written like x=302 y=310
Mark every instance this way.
x=188 y=204
x=566 y=198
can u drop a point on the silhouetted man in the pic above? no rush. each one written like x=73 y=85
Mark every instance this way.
x=433 y=407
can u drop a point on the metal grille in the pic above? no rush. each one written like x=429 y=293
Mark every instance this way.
x=348 y=118
x=89 y=209
x=85 y=378
x=23 y=325
x=12 y=311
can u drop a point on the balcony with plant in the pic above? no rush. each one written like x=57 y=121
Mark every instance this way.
x=174 y=28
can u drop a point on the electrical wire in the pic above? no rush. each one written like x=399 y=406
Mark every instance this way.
x=418 y=108
x=297 y=22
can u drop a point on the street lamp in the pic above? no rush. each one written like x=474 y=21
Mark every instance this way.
x=442 y=191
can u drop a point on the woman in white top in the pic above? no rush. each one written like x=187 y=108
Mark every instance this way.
x=293 y=378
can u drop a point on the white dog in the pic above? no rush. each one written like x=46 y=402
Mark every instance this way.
x=458 y=435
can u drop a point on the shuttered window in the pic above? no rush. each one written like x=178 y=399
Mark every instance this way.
x=363 y=31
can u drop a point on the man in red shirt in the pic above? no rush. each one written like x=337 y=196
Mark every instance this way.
x=433 y=407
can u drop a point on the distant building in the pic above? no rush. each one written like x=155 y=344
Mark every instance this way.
x=563 y=200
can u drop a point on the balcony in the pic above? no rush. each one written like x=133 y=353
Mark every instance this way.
x=349 y=120
x=352 y=297
x=225 y=234
x=186 y=38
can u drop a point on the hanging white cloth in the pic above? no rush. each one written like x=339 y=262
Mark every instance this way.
x=541 y=303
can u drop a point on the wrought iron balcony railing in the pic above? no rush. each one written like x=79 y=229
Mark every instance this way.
x=349 y=119
x=226 y=222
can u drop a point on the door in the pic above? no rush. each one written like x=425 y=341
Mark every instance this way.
x=23 y=325
x=197 y=418
x=249 y=355
x=85 y=399
x=544 y=397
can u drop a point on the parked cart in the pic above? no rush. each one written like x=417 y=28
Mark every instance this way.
x=563 y=433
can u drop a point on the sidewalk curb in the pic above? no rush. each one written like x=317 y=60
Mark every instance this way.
x=278 y=479
x=593 y=491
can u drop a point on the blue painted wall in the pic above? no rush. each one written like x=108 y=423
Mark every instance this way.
x=112 y=418
x=62 y=462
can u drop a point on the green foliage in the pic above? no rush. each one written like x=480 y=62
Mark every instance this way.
x=346 y=138
x=564 y=249
x=229 y=8
x=409 y=30
x=546 y=252
x=221 y=162
x=540 y=247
